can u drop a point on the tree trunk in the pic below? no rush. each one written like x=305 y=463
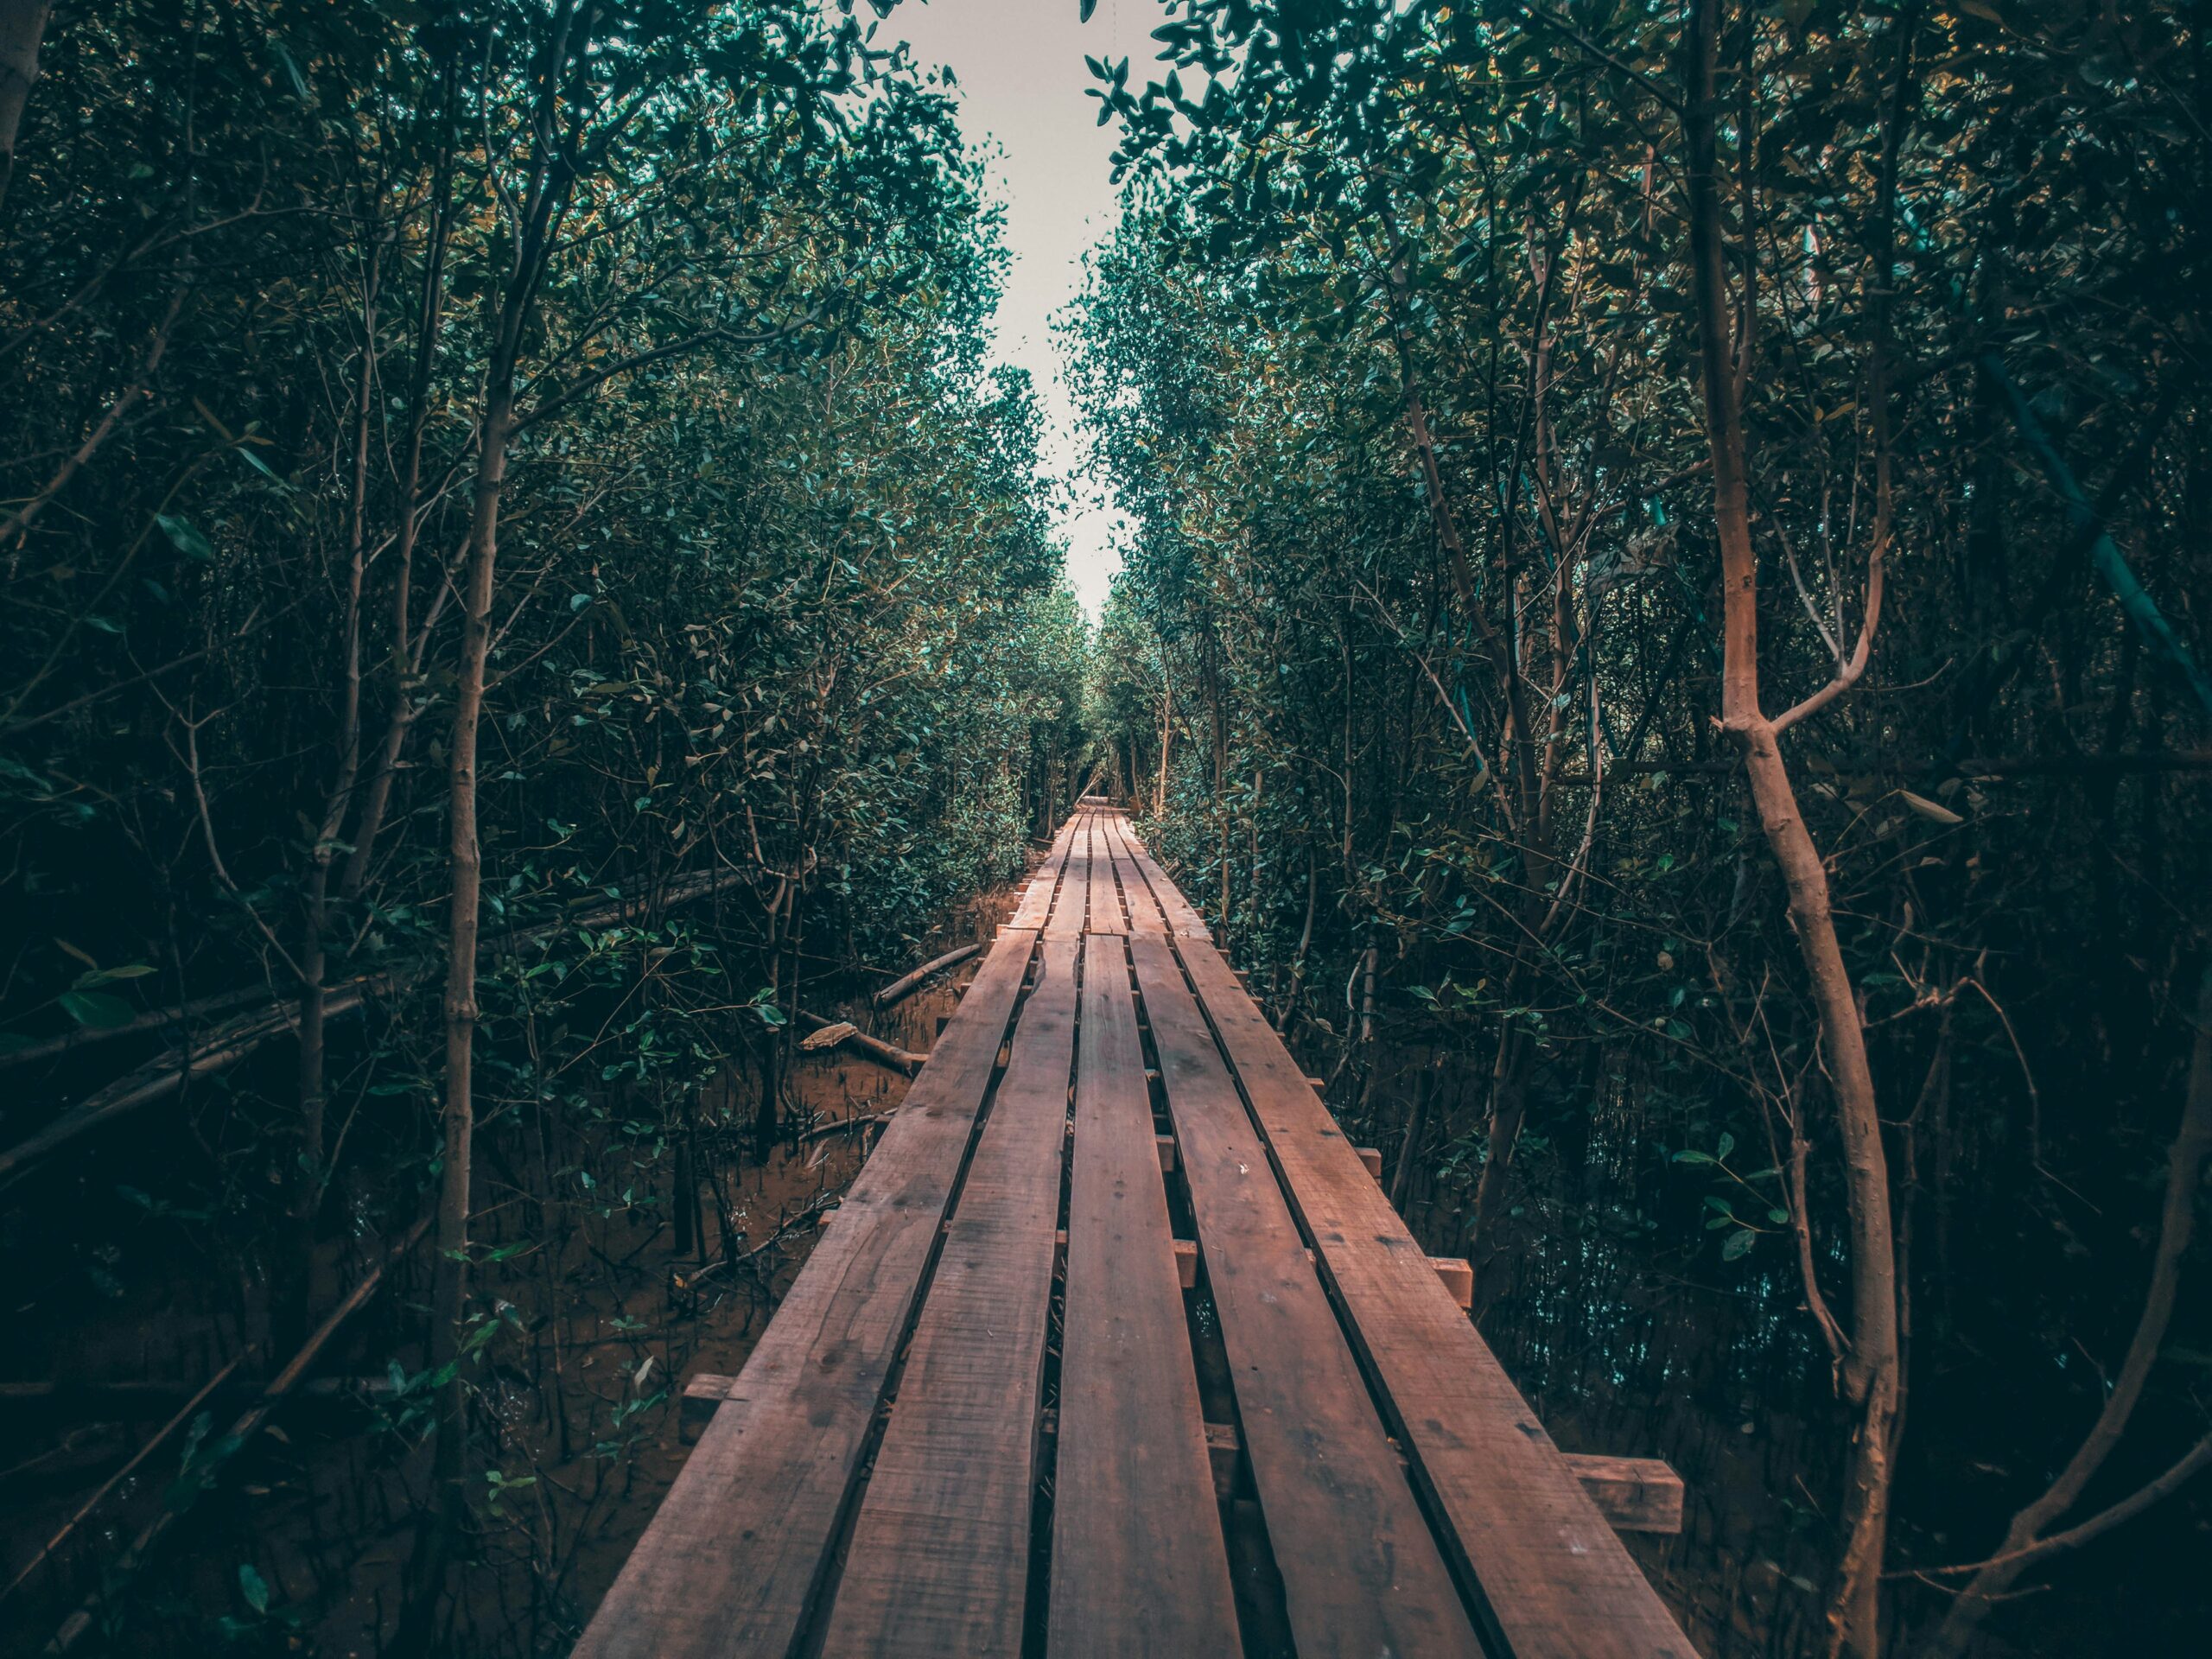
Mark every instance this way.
x=1868 y=1374
x=1166 y=737
x=405 y=660
x=292 y=1284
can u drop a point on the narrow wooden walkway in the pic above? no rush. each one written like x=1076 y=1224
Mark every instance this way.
x=979 y=1424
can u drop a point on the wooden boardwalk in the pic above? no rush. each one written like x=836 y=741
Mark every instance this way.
x=1005 y=1409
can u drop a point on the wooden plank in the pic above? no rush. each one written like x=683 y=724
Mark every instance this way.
x=1105 y=908
x=1105 y=898
x=1555 y=1579
x=1633 y=1494
x=1183 y=921
x=1066 y=920
x=939 y=1559
x=1138 y=1567
x=1037 y=898
x=1142 y=908
x=734 y=1556
x=1362 y=1573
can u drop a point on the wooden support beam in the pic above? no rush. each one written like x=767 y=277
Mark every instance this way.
x=1167 y=1144
x=1186 y=1263
x=1372 y=1157
x=1459 y=1277
x=1634 y=1494
x=1222 y=1447
x=702 y=1394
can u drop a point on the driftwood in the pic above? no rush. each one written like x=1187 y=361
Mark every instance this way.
x=898 y=1060
x=913 y=981
x=248 y=1425
x=233 y=1040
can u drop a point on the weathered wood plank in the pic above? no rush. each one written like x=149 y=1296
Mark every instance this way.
x=1362 y=1573
x=1557 y=1582
x=939 y=1559
x=733 y=1559
x=1138 y=1567
x=1143 y=910
x=1633 y=1494
x=1183 y=920
x=1037 y=897
x=1066 y=920
x=1105 y=900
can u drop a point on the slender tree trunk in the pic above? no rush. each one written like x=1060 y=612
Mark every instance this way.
x=543 y=197
x=405 y=662
x=292 y=1283
x=1869 y=1371
x=450 y=1282
x=1167 y=738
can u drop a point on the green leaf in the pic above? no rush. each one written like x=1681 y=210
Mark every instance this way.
x=253 y=1587
x=185 y=540
x=1738 y=1244
x=1728 y=1145
x=262 y=466
x=1929 y=810
x=97 y=1010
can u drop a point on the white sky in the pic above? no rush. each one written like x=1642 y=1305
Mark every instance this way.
x=1021 y=75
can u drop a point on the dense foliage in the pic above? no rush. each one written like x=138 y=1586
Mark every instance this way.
x=1443 y=349
x=306 y=312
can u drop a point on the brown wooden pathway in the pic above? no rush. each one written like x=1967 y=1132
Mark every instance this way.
x=985 y=1420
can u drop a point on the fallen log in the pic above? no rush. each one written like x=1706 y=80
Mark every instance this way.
x=241 y=1432
x=913 y=981
x=898 y=1060
x=235 y=1039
